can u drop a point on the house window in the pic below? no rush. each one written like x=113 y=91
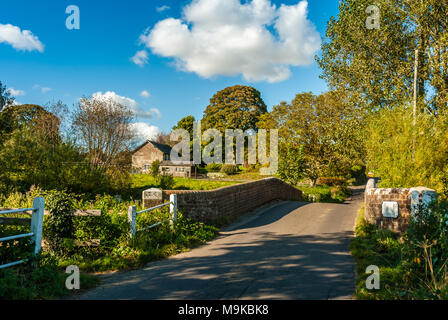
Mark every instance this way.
x=147 y=167
x=166 y=157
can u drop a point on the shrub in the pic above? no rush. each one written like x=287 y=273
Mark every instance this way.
x=155 y=168
x=425 y=252
x=59 y=228
x=165 y=181
x=405 y=155
x=229 y=169
x=321 y=193
x=331 y=181
x=213 y=167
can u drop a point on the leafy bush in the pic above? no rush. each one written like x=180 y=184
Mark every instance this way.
x=165 y=181
x=322 y=193
x=59 y=228
x=405 y=155
x=411 y=267
x=213 y=167
x=229 y=169
x=155 y=168
x=331 y=181
x=425 y=252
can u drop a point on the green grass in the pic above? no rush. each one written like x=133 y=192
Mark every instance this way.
x=322 y=193
x=141 y=182
x=385 y=249
x=382 y=248
x=116 y=252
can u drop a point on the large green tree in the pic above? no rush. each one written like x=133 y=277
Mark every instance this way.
x=326 y=127
x=374 y=65
x=40 y=121
x=237 y=107
x=186 y=123
x=380 y=66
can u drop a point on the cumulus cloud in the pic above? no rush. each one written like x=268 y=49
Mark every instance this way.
x=20 y=40
x=140 y=58
x=130 y=103
x=16 y=93
x=145 y=94
x=145 y=131
x=225 y=37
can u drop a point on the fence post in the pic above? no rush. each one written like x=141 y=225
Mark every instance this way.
x=37 y=221
x=132 y=218
x=173 y=209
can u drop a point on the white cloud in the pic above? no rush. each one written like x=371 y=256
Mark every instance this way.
x=130 y=103
x=20 y=40
x=140 y=58
x=145 y=131
x=16 y=93
x=42 y=89
x=145 y=94
x=162 y=8
x=225 y=37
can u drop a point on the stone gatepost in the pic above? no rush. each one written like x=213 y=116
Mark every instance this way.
x=152 y=197
x=421 y=197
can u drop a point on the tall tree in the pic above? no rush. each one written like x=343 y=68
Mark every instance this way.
x=381 y=67
x=186 y=123
x=43 y=123
x=104 y=129
x=326 y=127
x=374 y=65
x=237 y=107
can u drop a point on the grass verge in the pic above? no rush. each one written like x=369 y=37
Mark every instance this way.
x=323 y=193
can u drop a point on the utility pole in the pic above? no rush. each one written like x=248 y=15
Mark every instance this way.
x=415 y=85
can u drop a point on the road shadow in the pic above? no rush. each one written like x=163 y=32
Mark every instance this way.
x=267 y=266
x=265 y=216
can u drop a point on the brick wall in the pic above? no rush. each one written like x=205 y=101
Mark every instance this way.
x=373 y=213
x=227 y=203
x=408 y=200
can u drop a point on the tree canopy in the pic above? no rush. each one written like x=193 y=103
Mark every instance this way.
x=377 y=66
x=237 y=107
x=186 y=123
x=325 y=127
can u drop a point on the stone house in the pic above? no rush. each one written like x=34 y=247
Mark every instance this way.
x=151 y=151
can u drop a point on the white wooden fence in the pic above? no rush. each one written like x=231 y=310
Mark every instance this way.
x=132 y=215
x=35 y=234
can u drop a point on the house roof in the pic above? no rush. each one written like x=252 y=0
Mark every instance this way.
x=162 y=147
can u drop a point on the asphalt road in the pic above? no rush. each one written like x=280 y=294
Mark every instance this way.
x=291 y=250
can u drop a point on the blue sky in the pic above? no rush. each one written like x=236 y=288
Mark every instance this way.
x=97 y=57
